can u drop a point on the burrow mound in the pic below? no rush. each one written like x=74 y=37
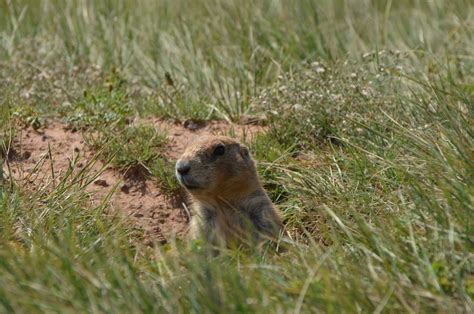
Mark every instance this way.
x=41 y=157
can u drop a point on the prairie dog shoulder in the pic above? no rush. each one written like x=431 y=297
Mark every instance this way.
x=229 y=202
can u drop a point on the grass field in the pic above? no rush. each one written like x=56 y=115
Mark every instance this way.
x=368 y=151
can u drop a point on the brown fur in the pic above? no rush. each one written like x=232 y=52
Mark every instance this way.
x=230 y=206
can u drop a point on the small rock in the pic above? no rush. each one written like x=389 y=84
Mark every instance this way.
x=76 y=149
x=125 y=188
x=26 y=155
x=101 y=182
x=194 y=124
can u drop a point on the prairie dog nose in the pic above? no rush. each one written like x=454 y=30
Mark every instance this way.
x=183 y=167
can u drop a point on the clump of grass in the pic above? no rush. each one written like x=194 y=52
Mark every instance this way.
x=171 y=100
x=98 y=109
x=136 y=150
x=28 y=116
x=4 y=126
x=162 y=170
x=325 y=102
x=130 y=147
x=268 y=152
x=57 y=228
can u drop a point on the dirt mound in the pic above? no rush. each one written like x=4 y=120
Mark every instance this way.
x=40 y=157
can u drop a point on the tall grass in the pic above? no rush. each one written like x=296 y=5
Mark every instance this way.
x=399 y=234
x=368 y=152
x=222 y=52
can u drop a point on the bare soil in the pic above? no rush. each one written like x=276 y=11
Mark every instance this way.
x=40 y=158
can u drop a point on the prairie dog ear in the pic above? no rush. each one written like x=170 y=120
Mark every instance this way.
x=244 y=151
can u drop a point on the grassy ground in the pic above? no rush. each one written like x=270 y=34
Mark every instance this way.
x=368 y=154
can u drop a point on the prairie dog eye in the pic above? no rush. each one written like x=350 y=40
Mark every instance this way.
x=219 y=150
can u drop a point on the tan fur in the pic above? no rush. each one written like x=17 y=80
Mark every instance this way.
x=230 y=206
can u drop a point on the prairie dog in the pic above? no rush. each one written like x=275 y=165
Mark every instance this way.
x=229 y=204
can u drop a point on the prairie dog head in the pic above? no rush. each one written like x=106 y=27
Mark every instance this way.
x=216 y=166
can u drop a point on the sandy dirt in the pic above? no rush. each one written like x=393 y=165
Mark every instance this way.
x=40 y=158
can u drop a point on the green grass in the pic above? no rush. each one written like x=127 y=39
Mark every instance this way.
x=218 y=54
x=130 y=147
x=368 y=151
x=136 y=150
